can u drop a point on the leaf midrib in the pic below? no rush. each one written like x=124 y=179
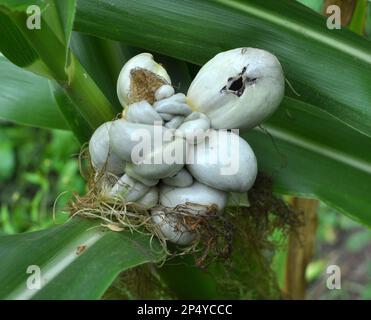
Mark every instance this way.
x=58 y=263
x=287 y=23
x=319 y=148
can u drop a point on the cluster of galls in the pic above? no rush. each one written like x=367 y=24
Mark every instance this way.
x=237 y=89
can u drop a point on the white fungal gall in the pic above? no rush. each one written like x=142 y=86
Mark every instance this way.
x=140 y=77
x=180 y=179
x=166 y=116
x=122 y=137
x=172 y=228
x=164 y=91
x=178 y=97
x=150 y=199
x=162 y=162
x=224 y=161
x=194 y=195
x=142 y=112
x=238 y=88
x=127 y=137
x=102 y=157
x=194 y=127
x=175 y=164
x=174 y=122
x=175 y=105
x=130 y=171
x=197 y=200
x=127 y=189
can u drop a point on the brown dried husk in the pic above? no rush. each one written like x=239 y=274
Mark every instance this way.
x=144 y=84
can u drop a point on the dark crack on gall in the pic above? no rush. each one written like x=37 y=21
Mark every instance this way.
x=237 y=85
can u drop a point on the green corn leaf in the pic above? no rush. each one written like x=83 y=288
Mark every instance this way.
x=102 y=59
x=309 y=153
x=315 y=5
x=45 y=51
x=77 y=260
x=76 y=122
x=26 y=98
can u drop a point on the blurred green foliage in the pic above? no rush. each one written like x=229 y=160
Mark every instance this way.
x=340 y=241
x=36 y=167
x=343 y=242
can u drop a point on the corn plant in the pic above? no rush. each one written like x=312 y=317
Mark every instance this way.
x=59 y=67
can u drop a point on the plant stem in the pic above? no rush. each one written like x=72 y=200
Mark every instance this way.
x=300 y=248
x=88 y=98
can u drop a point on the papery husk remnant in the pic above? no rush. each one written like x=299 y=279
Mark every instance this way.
x=144 y=84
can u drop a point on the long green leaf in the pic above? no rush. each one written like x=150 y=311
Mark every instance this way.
x=25 y=98
x=66 y=10
x=43 y=50
x=194 y=283
x=46 y=52
x=309 y=153
x=76 y=122
x=315 y=5
x=103 y=60
x=77 y=260
x=331 y=69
